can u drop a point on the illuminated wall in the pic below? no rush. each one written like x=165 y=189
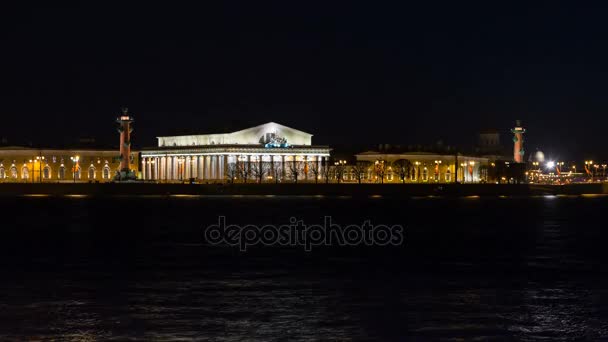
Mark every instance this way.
x=421 y=167
x=19 y=164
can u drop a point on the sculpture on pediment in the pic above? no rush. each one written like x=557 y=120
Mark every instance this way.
x=273 y=140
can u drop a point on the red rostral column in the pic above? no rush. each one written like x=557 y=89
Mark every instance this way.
x=518 y=142
x=125 y=130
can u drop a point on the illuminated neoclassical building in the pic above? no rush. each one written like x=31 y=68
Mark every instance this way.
x=268 y=152
x=34 y=165
x=420 y=167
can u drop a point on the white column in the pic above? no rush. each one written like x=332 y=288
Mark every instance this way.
x=216 y=162
x=188 y=167
x=318 y=167
x=282 y=167
x=156 y=168
x=271 y=170
x=207 y=167
x=159 y=171
x=222 y=167
x=175 y=168
x=194 y=163
x=149 y=168
x=198 y=167
x=165 y=162
x=202 y=167
x=143 y=168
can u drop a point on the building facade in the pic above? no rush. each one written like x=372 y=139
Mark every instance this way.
x=266 y=153
x=417 y=167
x=34 y=165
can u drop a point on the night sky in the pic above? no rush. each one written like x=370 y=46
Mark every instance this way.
x=346 y=72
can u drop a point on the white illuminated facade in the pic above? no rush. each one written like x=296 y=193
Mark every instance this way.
x=268 y=152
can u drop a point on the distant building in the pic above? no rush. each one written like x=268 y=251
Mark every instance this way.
x=268 y=152
x=489 y=142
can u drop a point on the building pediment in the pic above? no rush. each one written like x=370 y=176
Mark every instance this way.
x=271 y=134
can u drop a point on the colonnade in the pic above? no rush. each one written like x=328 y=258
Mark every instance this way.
x=215 y=167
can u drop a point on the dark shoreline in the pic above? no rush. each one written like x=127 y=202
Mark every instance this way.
x=357 y=190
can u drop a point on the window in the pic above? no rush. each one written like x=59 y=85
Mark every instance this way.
x=106 y=172
x=14 y=173
x=25 y=172
x=92 y=172
x=425 y=174
x=46 y=172
x=77 y=172
x=448 y=176
x=2 y=173
x=61 y=173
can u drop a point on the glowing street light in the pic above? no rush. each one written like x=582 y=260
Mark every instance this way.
x=74 y=165
x=39 y=159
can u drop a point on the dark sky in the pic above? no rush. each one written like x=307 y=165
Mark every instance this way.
x=365 y=72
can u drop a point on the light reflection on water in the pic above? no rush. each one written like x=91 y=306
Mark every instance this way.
x=493 y=268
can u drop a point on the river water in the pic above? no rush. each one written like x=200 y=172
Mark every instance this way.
x=140 y=268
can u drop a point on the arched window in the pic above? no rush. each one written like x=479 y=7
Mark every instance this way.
x=77 y=172
x=25 y=172
x=14 y=173
x=46 y=172
x=61 y=173
x=2 y=173
x=425 y=174
x=106 y=172
x=448 y=176
x=92 y=172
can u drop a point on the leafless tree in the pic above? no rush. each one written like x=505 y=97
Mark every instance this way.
x=296 y=168
x=313 y=167
x=403 y=168
x=339 y=170
x=259 y=170
x=380 y=169
x=360 y=170
x=326 y=171
x=232 y=172
x=276 y=172
x=243 y=170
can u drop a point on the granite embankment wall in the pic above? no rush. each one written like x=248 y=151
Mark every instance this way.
x=126 y=189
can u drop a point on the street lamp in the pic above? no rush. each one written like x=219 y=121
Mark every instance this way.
x=472 y=165
x=33 y=164
x=589 y=168
x=437 y=162
x=417 y=171
x=74 y=165
x=464 y=172
x=39 y=159
x=596 y=167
